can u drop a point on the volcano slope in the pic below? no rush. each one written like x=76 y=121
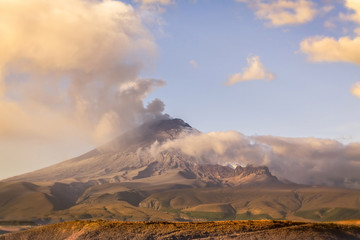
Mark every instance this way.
x=124 y=180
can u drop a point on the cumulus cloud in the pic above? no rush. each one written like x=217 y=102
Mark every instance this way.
x=329 y=49
x=344 y=49
x=355 y=90
x=64 y=65
x=301 y=160
x=254 y=71
x=283 y=12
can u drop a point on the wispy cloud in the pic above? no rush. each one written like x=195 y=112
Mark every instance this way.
x=193 y=63
x=283 y=12
x=149 y=2
x=154 y=5
x=254 y=71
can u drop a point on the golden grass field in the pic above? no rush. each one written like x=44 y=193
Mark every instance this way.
x=260 y=229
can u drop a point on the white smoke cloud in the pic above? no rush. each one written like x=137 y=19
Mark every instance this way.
x=69 y=60
x=302 y=160
x=64 y=65
x=210 y=147
x=314 y=161
x=254 y=71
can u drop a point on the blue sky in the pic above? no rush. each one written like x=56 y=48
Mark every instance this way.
x=305 y=99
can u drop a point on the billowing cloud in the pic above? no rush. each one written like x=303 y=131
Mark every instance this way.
x=69 y=73
x=68 y=61
x=344 y=49
x=329 y=49
x=301 y=160
x=314 y=161
x=283 y=12
x=193 y=63
x=355 y=90
x=198 y=145
x=254 y=71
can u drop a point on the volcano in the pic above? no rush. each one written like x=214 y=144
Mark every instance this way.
x=127 y=158
x=124 y=180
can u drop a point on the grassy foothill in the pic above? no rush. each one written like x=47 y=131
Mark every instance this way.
x=257 y=229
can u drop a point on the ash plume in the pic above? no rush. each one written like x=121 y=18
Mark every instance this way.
x=70 y=67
